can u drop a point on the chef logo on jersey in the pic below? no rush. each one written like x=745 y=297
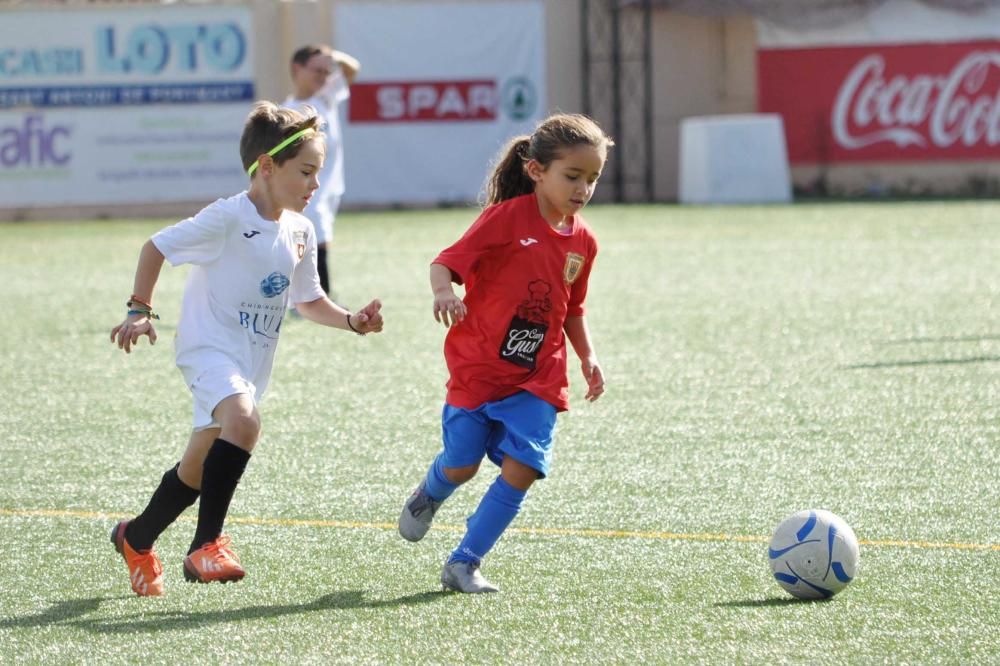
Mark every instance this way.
x=573 y=267
x=526 y=332
x=300 y=243
x=273 y=285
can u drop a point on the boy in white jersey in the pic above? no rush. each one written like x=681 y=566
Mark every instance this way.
x=321 y=78
x=252 y=255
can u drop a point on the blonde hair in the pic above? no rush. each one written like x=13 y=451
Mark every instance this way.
x=268 y=125
x=553 y=135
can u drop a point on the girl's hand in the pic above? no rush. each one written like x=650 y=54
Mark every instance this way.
x=129 y=331
x=595 y=379
x=448 y=308
x=368 y=319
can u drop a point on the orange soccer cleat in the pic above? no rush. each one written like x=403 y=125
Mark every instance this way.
x=214 y=561
x=145 y=571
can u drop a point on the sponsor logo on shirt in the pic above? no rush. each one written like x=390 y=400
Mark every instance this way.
x=528 y=241
x=274 y=284
x=263 y=320
x=250 y=234
x=527 y=329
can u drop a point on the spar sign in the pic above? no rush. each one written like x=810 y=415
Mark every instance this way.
x=444 y=85
x=897 y=102
x=442 y=101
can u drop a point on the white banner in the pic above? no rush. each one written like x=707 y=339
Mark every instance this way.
x=127 y=106
x=442 y=87
x=893 y=22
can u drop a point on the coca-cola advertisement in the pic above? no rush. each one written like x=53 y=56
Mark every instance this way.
x=917 y=101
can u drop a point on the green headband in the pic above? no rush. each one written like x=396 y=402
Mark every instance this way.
x=274 y=151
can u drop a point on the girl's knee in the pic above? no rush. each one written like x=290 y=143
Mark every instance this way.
x=517 y=474
x=461 y=474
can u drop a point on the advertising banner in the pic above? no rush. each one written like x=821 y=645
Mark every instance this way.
x=442 y=86
x=128 y=106
x=927 y=89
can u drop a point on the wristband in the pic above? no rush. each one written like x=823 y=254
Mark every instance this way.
x=135 y=299
x=148 y=313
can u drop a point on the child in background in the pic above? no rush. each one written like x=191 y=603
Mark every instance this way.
x=321 y=78
x=525 y=264
x=252 y=254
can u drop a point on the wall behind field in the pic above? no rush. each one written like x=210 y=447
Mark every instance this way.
x=701 y=65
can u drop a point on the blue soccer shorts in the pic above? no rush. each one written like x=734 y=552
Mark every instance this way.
x=520 y=426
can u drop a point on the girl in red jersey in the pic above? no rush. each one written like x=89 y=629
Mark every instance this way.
x=525 y=264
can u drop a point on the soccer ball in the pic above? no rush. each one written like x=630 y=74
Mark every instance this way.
x=813 y=554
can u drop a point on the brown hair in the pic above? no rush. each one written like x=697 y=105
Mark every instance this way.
x=268 y=125
x=554 y=134
x=304 y=54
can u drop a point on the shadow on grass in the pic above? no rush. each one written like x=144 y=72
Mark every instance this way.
x=931 y=361
x=953 y=338
x=61 y=612
x=71 y=612
x=155 y=622
x=764 y=603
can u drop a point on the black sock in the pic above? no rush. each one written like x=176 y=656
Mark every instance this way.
x=169 y=500
x=224 y=466
x=324 y=275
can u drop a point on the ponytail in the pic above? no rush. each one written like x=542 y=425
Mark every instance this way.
x=509 y=179
x=553 y=135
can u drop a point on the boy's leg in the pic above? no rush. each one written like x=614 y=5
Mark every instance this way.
x=322 y=268
x=168 y=502
x=177 y=491
x=224 y=464
x=209 y=557
x=133 y=539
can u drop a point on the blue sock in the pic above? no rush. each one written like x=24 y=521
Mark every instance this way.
x=437 y=485
x=496 y=511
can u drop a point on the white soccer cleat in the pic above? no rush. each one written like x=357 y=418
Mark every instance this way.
x=418 y=512
x=465 y=577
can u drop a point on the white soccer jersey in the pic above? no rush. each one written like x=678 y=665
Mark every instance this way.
x=327 y=103
x=245 y=271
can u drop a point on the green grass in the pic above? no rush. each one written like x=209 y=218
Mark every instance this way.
x=760 y=360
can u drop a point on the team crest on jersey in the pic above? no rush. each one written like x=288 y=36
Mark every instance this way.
x=573 y=267
x=300 y=243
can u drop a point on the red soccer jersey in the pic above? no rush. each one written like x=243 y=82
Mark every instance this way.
x=522 y=279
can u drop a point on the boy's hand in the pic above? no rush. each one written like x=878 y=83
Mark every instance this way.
x=595 y=379
x=129 y=331
x=448 y=307
x=368 y=319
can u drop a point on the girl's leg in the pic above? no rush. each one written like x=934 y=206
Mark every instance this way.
x=496 y=511
x=465 y=434
x=523 y=451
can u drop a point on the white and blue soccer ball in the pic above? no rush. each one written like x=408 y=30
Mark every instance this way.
x=813 y=554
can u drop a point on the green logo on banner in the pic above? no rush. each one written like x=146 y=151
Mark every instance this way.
x=519 y=98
